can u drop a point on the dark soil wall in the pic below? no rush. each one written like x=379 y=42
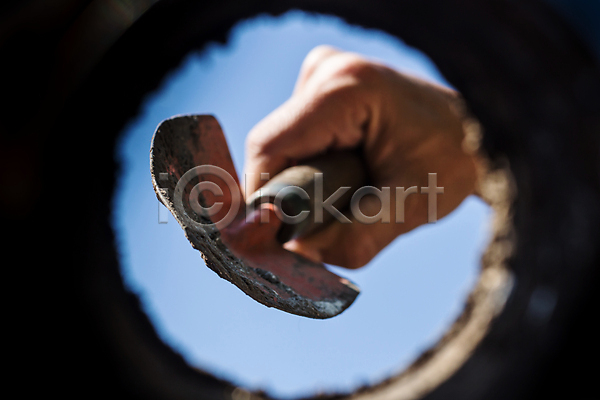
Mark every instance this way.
x=525 y=74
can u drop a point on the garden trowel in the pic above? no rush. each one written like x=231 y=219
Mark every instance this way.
x=241 y=239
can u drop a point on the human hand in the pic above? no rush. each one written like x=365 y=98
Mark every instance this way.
x=406 y=127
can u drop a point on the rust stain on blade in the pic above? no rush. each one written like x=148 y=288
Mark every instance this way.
x=210 y=208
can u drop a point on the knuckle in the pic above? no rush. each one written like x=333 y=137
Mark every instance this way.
x=355 y=67
x=253 y=142
x=317 y=55
x=349 y=75
x=335 y=64
x=256 y=146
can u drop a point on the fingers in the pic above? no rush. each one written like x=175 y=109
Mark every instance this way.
x=347 y=245
x=304 y=126
x=407 y=129
x=336 y=97
x=353 y=245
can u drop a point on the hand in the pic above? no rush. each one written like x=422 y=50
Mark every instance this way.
x=407 y=128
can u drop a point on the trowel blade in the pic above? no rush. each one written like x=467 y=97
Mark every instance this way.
x=194 y=177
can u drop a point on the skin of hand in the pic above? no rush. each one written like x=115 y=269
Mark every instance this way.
x=406 y=127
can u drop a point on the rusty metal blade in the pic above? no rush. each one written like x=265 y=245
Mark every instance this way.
x=192 y=171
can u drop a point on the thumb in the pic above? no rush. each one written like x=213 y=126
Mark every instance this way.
x=354 y=244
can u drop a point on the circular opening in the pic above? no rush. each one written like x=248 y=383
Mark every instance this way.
x=411 y=292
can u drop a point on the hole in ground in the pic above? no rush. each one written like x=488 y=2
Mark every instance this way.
x=411 y=292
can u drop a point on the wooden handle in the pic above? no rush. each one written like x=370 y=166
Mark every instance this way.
x=343 y=169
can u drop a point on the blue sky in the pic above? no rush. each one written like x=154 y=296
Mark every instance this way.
x=409 y=293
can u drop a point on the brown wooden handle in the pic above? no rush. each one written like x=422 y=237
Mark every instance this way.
x=302 y=211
